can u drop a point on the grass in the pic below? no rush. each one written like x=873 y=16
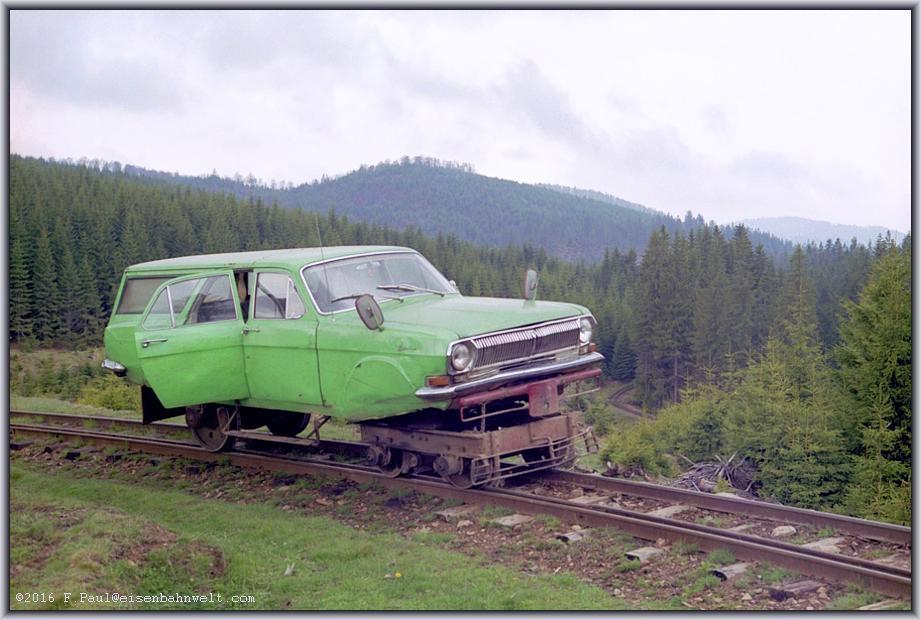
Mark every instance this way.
x=56 y=405
x=853 y=598
x=773 y=574
x=433 y=538
x=549 y=522
x=712 y=521
x=720 y=557
x=86 y=535
x=703 y=582
x=685 y=548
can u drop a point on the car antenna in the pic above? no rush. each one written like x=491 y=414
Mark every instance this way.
x=323 y=257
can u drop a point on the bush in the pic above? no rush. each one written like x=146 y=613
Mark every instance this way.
x=640 y=445
x=692 y=428
x=600 y=416
x=53 y=373
x=110 y=392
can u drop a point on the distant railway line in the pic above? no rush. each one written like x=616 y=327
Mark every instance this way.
x=887 y=578
x=619 y=399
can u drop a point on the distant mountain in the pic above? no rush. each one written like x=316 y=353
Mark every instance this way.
x=803 y=230
x=439 y=197
x=601 y=196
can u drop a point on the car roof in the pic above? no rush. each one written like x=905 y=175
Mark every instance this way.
x=292 y=258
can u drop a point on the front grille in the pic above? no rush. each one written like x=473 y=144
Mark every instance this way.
x=526 y=343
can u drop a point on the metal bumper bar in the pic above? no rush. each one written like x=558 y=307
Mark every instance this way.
x=113 y=366
x=453 y=391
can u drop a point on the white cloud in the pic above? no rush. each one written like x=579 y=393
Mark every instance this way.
x=732 y=114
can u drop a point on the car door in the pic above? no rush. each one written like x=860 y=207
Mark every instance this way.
x=190 y=341
x=280 y=344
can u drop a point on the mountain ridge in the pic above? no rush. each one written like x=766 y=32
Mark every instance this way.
x=803 y=230
x=451 y=198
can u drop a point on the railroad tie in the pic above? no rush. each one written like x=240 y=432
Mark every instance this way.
x=669 y=511
x=730 y=572
x=644 y=554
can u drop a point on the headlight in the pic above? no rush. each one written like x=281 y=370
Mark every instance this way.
x=462 y=356
x=585 y=330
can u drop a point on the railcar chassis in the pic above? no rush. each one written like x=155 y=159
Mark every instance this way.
x=483 y=438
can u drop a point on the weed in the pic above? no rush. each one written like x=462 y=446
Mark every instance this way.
x=712 y=521
x=773 y=574
x=551 y=523
x=853 y=599
x=703 y=582
x=629 y=566
x=685 y=548
x=743 y=582
x=495 y=512
x=721 y=557
x=875 y=554
x=826 y=532
x=436 y=538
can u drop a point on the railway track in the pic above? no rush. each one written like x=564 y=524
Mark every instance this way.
x=881 y=577
x=619 y=400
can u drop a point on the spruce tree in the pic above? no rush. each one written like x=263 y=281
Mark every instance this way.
x=874 y=371
x=20 y=285
x=45 y=294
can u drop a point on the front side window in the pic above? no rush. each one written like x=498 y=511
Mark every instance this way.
x=276 y=297
x=335 y=285
x=137 y=293
x=191 y=302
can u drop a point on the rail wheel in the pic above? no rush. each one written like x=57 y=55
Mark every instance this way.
x=390 y=461
x=288 y=424
x=208 y=423
x=456 y=470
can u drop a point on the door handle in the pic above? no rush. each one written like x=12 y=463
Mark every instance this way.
x=247 y=330
x=146 y=343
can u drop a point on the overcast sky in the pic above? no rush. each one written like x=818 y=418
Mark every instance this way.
x=731 y=114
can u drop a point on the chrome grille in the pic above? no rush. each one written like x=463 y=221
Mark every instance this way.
x=522 y=344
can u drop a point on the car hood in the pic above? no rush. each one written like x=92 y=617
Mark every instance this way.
x=469 y=316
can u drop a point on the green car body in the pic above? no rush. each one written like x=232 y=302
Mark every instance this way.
x=304 y=359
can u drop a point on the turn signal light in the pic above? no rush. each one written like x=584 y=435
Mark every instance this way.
x=438 y=381
x=592 y=348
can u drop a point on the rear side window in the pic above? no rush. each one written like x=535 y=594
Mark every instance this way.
x=137 y=293
x=194 y=301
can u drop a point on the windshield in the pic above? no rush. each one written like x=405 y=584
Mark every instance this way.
x=335 y=285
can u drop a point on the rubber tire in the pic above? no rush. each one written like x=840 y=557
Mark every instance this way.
x=288 y=424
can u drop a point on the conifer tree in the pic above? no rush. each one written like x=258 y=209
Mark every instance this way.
x=875 y=370
x=45 y=294
x=90 y=312
x=20 y=286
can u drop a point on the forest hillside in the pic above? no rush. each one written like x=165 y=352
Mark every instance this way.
x=450 y=198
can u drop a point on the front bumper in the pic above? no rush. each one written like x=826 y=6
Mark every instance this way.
x=531 y=372
x=113 y=366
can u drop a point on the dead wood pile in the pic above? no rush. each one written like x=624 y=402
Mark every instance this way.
x=703 y=475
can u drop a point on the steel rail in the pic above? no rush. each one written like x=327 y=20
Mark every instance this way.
x=736 y=505
x=886 y=579
x=329 y=444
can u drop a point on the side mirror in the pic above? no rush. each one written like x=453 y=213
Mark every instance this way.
x=530 y=285
x=369 y=311
x=454 y=286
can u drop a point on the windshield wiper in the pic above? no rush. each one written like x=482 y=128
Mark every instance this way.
x=410 y=287
x=357 y=295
